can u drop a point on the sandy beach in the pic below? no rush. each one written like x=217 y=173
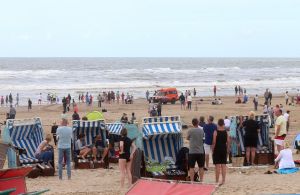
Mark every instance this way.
x=102 y=181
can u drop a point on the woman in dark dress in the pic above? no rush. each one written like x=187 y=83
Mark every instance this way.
x=251 y=137
x=125 y=157
x=220 y=147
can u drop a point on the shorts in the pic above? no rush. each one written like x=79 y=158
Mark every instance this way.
x=279 y=140
x=125 y=156
x=207 y=149
x=199 y=158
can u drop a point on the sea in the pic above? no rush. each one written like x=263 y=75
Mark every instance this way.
x=31 y=76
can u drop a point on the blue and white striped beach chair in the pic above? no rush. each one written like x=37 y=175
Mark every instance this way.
x=114 y=128
x=161 y=137
x=90 y=129
x=26 y=134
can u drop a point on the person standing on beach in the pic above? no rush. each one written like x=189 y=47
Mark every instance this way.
x=251 y=137
x=286 y=97
x=12 y=112
x=29 y=104
x=220 y=147
x=2 y=100
x=6 y=100
x=159 y=107
x=99 y=100
x=209 y=130
x=40 y=99
x=17 y=100
x=64 y=137
x=270 y=97
x=195 y=92
x=255 y=102
x=280 y=130
x=10 y=99
x=123 y=97
x=182 y=101
x=215 y=90
x=196 y=152
x=147 y=95
x=118 y=97
x=236 y=90
x=189 y=102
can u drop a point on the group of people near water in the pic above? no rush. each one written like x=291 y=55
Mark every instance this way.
x=8 y=100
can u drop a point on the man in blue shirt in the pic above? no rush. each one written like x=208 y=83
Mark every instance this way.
x=64 y=136
x=209 y=129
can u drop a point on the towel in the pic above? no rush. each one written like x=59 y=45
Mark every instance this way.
x=287 y=170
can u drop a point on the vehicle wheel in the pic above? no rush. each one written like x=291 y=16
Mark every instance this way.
x=173 y=101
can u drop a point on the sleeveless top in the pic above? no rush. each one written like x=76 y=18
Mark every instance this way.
x=221 y=141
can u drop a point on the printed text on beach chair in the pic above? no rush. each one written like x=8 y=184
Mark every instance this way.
x=27 y=134
x=162 y=139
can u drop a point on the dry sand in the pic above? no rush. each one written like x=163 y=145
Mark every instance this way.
x=106 y=182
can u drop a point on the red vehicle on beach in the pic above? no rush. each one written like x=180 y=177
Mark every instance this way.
x=165 y=95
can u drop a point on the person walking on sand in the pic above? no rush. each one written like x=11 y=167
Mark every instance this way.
x=125 y=158
x=64 y=137
x=220 y=148
x=196 y=152
x=40 y=99
x=147 y=95
x=195 y=92
x=17 y=100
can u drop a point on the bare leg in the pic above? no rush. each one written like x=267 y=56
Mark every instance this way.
x=207 y=160
x=122 y=166
x=201 y=174
x=95 y=153
x=217 y=172
x=104 y=153
x=223 y=166
x=248 y=154
x=253 y=151
x=192 y=174
x=128 y=171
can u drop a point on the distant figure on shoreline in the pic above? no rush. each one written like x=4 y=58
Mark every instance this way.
x=40 y=99
x=236 y=90
x=29 y=104
x=215 y=90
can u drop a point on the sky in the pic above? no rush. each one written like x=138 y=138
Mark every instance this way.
x=150 y=28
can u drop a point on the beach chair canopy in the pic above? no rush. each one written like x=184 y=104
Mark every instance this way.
x=90 y=129
x=27 y=134
x=114 y=128
x=95 y=115
x=150 y=187
x=161 y=137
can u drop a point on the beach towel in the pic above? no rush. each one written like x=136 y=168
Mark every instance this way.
x=287 y=170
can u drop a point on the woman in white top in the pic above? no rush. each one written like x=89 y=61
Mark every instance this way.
x=44 y=151
x=285 y=158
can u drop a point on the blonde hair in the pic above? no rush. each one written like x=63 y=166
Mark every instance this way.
x=287 y=144
x=48 y=137
x=251 y=115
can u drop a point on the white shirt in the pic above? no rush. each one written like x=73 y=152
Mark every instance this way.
x=227 y=123
x=286 y=116
x=286 y=96
x=189 y=98
x=285 y=158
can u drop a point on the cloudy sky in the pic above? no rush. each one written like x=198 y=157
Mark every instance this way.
x=150 y=28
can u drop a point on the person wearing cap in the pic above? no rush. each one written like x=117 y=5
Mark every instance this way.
x=280 y=130
x=285 y=158
x=64 y=138
x=251 y=137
